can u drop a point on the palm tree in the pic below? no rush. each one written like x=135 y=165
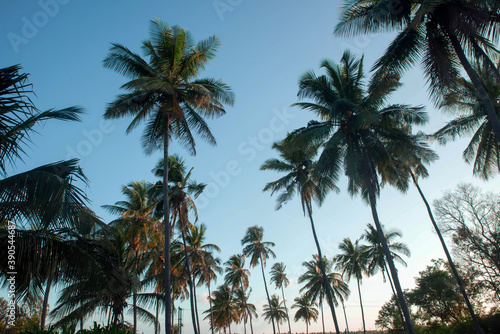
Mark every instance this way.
x=314 y=287
x=106 y=283
x=224 y=310
x=441 y=33
x=203 y=263
x=306 y=310
x=237 y=278
x=136 y=220
x=472 y=119
x=360 y=133
x=297 y=162
x=246 y=309
x=411 y=169
x=353 y=262
x=166 y=92
x=278 y=277
x=182 y=192
x=376 y=256
x=44 y=197
x=275 y=311
x=259 y=251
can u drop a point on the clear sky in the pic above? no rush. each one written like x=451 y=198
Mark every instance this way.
x=266 y=46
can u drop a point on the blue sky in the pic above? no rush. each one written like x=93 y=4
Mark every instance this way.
x=266 y=46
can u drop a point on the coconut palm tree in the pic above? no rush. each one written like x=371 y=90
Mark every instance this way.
x=314 y=289
x=204 y=266
x=278 y=277
x=298 y=164
x=275 y=311
x=353 y=262
x=483 y=149
x=246 y=309
x=106 y=284
x=237 y=278
x=182 y=192
x=224 y=309
x=360 y=133
x=441 y=33
x=376 y=256
x=166 y=93
x=258 y=251
x=306 y=310
x=45 y=196
x=413 y=167
x=135 y=220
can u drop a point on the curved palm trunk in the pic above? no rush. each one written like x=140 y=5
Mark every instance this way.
x=45 y=302
x=345 y=316
x=286 y=309
x=448 y=256
x=190 y=283
x=390 y=261
x=267 y=293
x=361 y=304
x=278 y=325
x=397 y=302
x=322 y=316
x=490 y=109
x=166 y=213
x=321 y=267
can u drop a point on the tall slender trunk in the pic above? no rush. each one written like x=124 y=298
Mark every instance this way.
x=267 y=292
x=326 y=285
x=211 y=310
x=251 y=325
x=307 y=328
x=390 y=261
x=448 y=256
x=81 y=323
x=109 y=316
x=157 y=324
x=46 y=300
x=190 y=281
x=490 y=108
x=322 y=315
x=246 y=308
x=196 y=305
x=134 y=299
x=345 y=316
x=361 y=304
x=278 y=325
x=286 y=309
x=166 y=213
x=395 y=297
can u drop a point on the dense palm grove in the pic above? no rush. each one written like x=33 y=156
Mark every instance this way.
x=155 y=254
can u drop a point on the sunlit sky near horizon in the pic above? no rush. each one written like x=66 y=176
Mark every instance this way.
x=266 y=46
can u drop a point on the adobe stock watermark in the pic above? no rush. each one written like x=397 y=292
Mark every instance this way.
x=32 y=24
x=223 y=6
x=247 y=152
x=92 y=139
x=11 y=274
